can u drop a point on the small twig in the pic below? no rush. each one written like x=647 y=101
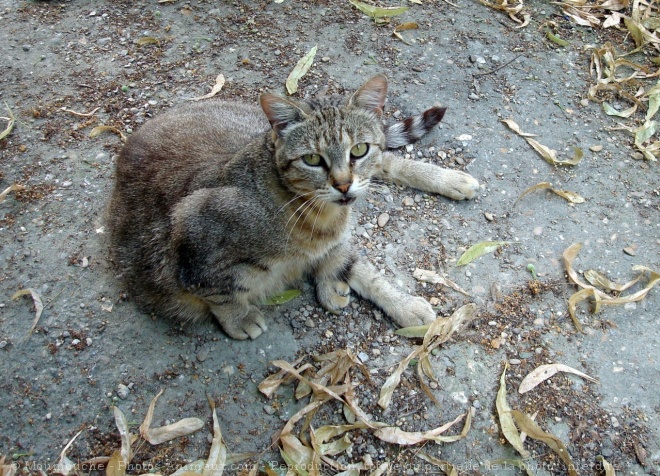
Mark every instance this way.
x=499 y=67
x=452 y=4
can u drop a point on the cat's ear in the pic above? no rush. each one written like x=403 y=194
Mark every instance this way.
x=280 y=112
x=371 y=95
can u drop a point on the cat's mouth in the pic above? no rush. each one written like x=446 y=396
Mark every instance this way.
x=345 y=200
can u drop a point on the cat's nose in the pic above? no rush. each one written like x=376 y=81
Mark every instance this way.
x=342 y=187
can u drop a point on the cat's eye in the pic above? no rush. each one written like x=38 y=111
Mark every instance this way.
x=359 y=150
x=312 y=159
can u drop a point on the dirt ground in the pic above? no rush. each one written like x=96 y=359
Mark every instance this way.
x=68 y=66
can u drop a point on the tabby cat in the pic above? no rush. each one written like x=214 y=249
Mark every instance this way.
x=213 y=211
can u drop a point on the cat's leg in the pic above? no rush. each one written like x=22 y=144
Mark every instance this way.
x=404 y=309
x=239 y=320
x=428 y=177
x=332 y=289
x=341 y=271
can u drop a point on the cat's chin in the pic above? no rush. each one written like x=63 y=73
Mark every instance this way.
x=345 y=201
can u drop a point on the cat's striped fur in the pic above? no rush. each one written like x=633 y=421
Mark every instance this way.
x=213 y=210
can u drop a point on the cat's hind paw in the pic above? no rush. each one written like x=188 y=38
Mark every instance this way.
x=460 y=185
x=333 y=295
x=415 y=311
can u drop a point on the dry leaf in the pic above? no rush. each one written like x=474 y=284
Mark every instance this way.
x=378 y=12
x=445 y=466
x=159 y=435
x=479 y=249
x=544 y=372
x=38 y=305
x=101 y=129
x=215 y=463
x=432 y=277
x=507 y=425
x=11 y=120
x=533 y=430
x=516 y=128
x=393 y=434
x=297 y=456
x=147 y=40
x=219 y=83
x=283 y=297
x=568 y=195
x=609 y=469
x=12 y=188
x=300 y=70
x=65 y=466
x=598 y=279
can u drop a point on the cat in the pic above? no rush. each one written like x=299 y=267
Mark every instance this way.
x=220 y=205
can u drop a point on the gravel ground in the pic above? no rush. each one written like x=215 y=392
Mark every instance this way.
x=68 y=66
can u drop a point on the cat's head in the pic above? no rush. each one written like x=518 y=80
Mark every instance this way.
x=330 y=148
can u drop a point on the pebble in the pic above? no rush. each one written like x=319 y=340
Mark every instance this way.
x=630 y=251
x=489 y=216
x=88 y=341
x=3 y=344
x=269 y=409
x=408 y=201
x=397 y=114
x=325 y=59
x=67 y=183
x=473 y=96
x=310 y=323
x=363 y=356
x=202 y=354
x=538 y=230
x=514 y=361
x=383 y=219
x=584 y=102
x=409 y=148
x=75 y=342
x=123 y=391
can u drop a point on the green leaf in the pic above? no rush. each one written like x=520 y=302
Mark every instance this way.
x=555 y=39
x=645 y=132
x=281 y=298
x=300 y=70
x=378 y=12
x=480 y=249
x=610 y=111
x=413 y=331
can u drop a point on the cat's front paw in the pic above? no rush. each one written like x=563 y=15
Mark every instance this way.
x=415 y=311
x=333 y=295
x=252 y=324
x=460 y=185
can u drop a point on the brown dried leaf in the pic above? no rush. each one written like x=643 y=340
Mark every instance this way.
x=533 y=430
x=393 y=434
x=219 y=83
x=507 y=425
x=64 y=466
x=300 y=70
x=101 y=129
x=297 y=456
x=432 y=277
x=159 y=435
x=12 y=188
x=38 y=305
x=544 y=372
x=599 y=279
x=445 y=466
x=147 y=40
x=11 y=120
x=609 y=469
x=215 y=464
x=516 y=128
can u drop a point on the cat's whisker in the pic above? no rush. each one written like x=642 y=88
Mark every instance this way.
x=304 y=204
x=323 y=203
x=309 y=205
x=299 y=195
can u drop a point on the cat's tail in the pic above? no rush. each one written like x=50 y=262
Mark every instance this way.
x=412 y=128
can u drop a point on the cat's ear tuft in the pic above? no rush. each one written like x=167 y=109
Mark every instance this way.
x=371 y=95
x=280 y=112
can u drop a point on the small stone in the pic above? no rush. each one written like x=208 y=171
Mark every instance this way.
x=630 y=250
x=596 y=148
x=615 y=422
x=376 y=352
x=538 y=230
x=383 y=219
x=514 y=361
x=417 y=69
x=433 y=384
x=434 y=301
x=310 y=323
x=442 y=154
x=26 y=47
x=202 y=354
x=123 y=391
x=474 y=96
x=409 y=148
x=397 y=114
x=489 y=216
x=67 y=183
x=49 y=416
x=75 y=342
x=584 y=102
x=269 y=409
x=88 y=341
x=325 y=59
x=3 y=344
x=363 y=356
x=408 y=201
